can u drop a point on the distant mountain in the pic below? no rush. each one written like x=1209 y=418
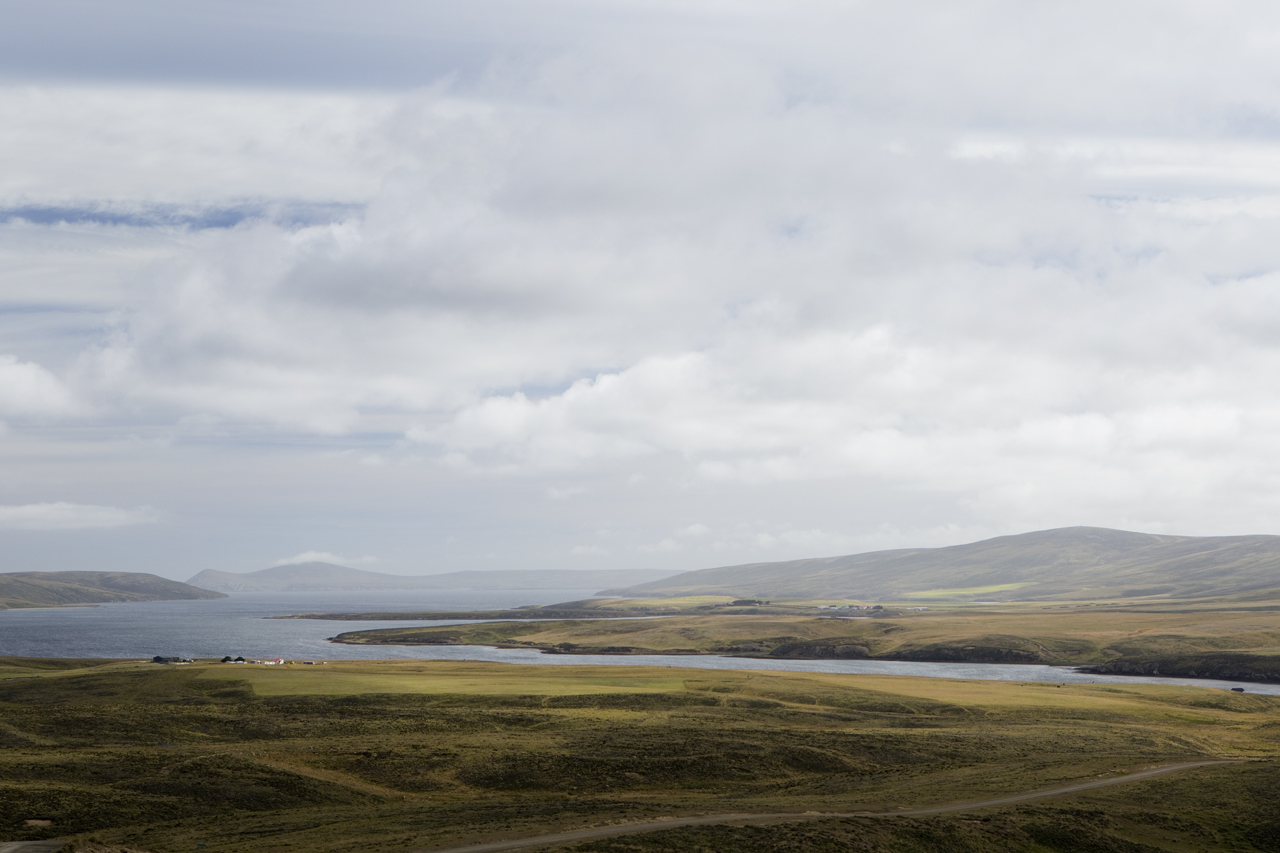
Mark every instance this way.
x=1068 y=563
x=302 y=577
x=50 y=589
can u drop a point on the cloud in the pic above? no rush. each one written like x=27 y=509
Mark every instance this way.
x=324 y=557
x=525 y=252
x=918 y=274
x=667 y=544
x=778 y=290
x=29 y=390
x=69 y=516
x=564 y=493
x=765 y=538
x=174 y=147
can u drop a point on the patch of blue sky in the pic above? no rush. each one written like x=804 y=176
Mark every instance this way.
x=1221 y=279
x=51 y=335
x=551 y=389
x=294 y=214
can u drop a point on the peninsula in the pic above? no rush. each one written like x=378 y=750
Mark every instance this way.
x=57 y=589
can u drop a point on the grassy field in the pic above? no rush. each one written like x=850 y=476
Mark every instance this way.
x=967 y=592
x=420 y=755
x=1028 y=633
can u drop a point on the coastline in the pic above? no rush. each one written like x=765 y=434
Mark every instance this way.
x=1232 y=668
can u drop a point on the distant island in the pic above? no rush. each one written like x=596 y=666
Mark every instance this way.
x=321 y=577
x=1066 y=564
x=58 y=589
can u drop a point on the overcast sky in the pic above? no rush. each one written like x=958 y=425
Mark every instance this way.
x=428 y=286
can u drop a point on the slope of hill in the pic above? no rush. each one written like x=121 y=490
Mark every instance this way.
x=1068 y=563
x=51 y=589
x=301 y=577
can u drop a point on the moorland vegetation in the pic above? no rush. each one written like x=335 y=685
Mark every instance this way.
x=420 y=755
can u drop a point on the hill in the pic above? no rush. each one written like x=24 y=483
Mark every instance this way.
x=303 y=577
x=51 y=589
x=1068 y=563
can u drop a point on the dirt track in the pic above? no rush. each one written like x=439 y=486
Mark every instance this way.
x=672 y=823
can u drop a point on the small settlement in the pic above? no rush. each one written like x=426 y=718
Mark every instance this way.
x=230 y=659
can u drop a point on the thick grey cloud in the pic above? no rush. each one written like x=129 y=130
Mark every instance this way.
x=645 y=285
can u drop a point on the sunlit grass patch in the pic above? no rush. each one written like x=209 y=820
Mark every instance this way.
x=353 y=678
x=676 y=602
x=969 y=591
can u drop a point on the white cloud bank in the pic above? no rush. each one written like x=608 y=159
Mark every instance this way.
x=69 y=516
x=29 y=390
x=179 y=146
x=324 y=557
x=1017 y=262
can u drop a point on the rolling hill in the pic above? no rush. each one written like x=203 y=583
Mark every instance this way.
x=1067 y=563
x=302 y=577
x=53 y=589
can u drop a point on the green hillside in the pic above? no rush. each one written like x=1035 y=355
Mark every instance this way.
x=53 y=589
x=1068 y=563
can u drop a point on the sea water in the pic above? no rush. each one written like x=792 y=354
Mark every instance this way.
x=240 y=625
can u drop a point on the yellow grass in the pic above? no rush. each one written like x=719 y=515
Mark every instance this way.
x=677 y=602
x=351 y=678
x=969 y=590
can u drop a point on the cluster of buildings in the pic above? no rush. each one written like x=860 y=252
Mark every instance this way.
x=230 y=659
x=271 y=661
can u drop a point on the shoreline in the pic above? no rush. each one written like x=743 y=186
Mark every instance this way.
x=1138 y=668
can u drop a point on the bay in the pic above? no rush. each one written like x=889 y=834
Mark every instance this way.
x=239 y=625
